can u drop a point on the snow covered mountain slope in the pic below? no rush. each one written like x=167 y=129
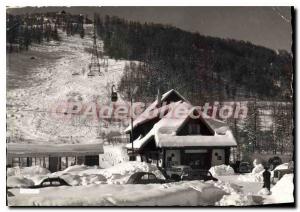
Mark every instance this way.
x=43 y=78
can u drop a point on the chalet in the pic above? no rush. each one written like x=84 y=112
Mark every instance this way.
x=54 y=157
x=190 y=138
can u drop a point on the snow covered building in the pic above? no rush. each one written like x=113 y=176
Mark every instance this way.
x=172 y=132
x=54 y=157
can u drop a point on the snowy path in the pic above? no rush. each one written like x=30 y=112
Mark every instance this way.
x=52 y=82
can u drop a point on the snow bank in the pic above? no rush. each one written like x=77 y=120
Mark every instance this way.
x=85 y=175
x=237 y=199
x=76 y=180
x=258 y=169
x=226 y=186
x=263 y=192
x=255 y=175
x=282 y=192
x=234 y=195
x=174 y=194
x=118 y=174
x=251 y=177
x=75 y=169
x=221 y=170
x=27 y=171
x=18 y=182
x=113 y=154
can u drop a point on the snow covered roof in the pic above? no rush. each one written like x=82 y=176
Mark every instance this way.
x=154 y=110
x=165 y=131
x=32 y=150
x=169 y=140
x=165 y=95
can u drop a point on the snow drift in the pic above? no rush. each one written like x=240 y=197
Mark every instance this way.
x=221 y=170
x=282 y=192
x=19 y=182
x=255 y=175
x=27 y=171
x=176 y=194
x=236 y=200
x=119 y=174
x=85 y=175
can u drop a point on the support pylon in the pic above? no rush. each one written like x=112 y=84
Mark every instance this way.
x=94 y=66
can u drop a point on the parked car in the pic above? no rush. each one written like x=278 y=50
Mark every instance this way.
x=144 y=178
x=244 y=167
x=278 y=174
x=281 y=170
x=51 y=182
x=198 y=175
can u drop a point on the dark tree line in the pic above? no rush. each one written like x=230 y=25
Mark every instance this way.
x=23 y=30
x=201 y=67
x=207 y=69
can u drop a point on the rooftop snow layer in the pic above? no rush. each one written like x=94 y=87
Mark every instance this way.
x=31 y=150
x=166 y=140
x=154 y=110
x=164 y=131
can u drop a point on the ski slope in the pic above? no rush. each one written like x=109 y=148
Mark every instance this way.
x=48 y=83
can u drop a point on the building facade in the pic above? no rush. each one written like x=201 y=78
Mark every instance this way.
x=173 y=132
x=54 y=157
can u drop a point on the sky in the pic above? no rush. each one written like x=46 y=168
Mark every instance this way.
x=266 y=26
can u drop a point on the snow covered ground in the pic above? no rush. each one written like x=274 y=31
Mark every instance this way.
x=107 y=187
x=50 y=82
x=282 y=192
x=183 y=194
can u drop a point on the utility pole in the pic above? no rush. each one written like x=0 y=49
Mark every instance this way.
x=132 y=93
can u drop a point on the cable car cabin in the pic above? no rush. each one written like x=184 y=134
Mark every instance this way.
x=75 y=73
x=114 y=96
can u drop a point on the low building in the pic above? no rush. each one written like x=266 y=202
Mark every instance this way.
x=54 y=157
x=188 y=138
